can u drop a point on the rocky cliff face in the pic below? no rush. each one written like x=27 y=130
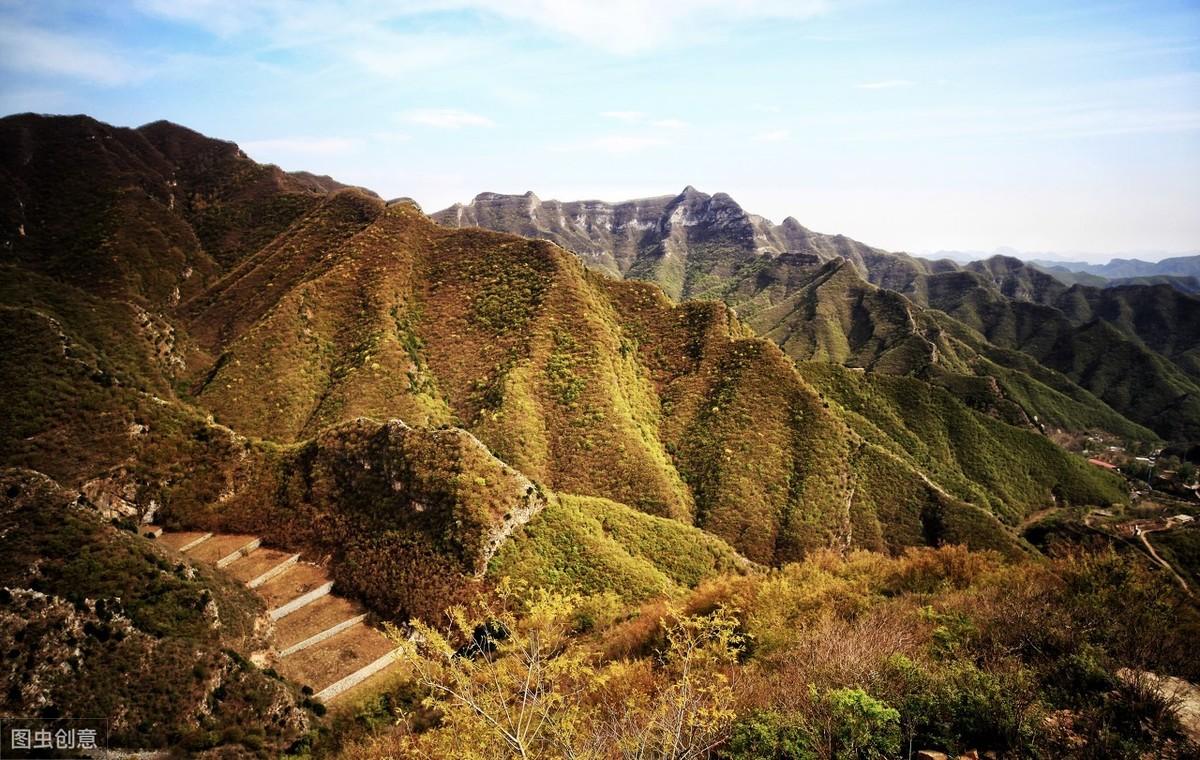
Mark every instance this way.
x=666 y=239
x=98 y=621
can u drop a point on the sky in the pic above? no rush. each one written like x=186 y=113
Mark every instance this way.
x=1063 y=127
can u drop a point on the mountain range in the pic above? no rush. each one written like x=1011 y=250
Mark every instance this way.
x=627 y=399
x=207 y=308
x=1183 y=283
x=1173 y=266
x=830 y=298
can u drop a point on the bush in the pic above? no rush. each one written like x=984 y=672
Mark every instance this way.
x=850 y=724
x=767 y=735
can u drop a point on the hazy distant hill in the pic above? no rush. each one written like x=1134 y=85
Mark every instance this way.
x=1176 y=266
x=1182 y=283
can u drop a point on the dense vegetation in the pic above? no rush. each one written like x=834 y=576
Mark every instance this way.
x=96 y=621
x=852 y=657
x=591 y=546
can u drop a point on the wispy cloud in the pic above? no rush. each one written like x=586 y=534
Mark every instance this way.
x=616 y=144
x=629 y=117
x=390 y=137
x=637 y=117
x=221 y=17
x=42 y=100
x=1070 y=119
x=620 y=26
x=886 y=84
x=304 y=146
x=774 y=135
x=445 y=118
x=38 y=51
x=637 y=26
x=389 y=54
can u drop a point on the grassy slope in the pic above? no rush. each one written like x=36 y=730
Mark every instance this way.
x=973 y=456
x=587 y=385
x=829 y=312
x=1098 y=355
x=589 y=545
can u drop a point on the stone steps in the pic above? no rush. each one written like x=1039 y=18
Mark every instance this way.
x=218 y=549
x=342 y=656
x=181 y=542
x=319 y=639
x=315 y=618
x=385 y=663
x=261 y=565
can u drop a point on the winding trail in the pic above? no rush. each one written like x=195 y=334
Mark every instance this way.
x=1150 y=548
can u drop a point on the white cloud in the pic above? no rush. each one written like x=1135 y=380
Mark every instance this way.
x=38 y=51
x=446 y=118
x=886 y=84
x=221 y=17
x=303 y=146
x=1063 y=119
x=37 y=99
x=629 y=117
x=390 y=137
x=389 y=54
x=637 y=26
x=616 y=144
x=775 y=135
x=616 y=26
x=637 y=117
x=513 y=96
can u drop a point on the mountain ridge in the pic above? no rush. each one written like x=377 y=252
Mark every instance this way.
x=357 y=309
x=708 y=247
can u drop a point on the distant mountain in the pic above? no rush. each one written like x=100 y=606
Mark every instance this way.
x=1176 y=266
x=786 y=281
x=680 y=242
x=1184 y=284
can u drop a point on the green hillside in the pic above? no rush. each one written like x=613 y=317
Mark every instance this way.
x=1010 y=329
x=469 y=372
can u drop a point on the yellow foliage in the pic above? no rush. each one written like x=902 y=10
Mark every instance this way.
x=511 y=681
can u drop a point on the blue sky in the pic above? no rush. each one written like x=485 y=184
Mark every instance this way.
x=1046 y=126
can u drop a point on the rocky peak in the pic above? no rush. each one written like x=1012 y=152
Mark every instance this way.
x=488 y=197
x=692 y=208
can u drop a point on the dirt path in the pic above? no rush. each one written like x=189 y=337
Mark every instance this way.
x=1150 y=548
x=1034 y=517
